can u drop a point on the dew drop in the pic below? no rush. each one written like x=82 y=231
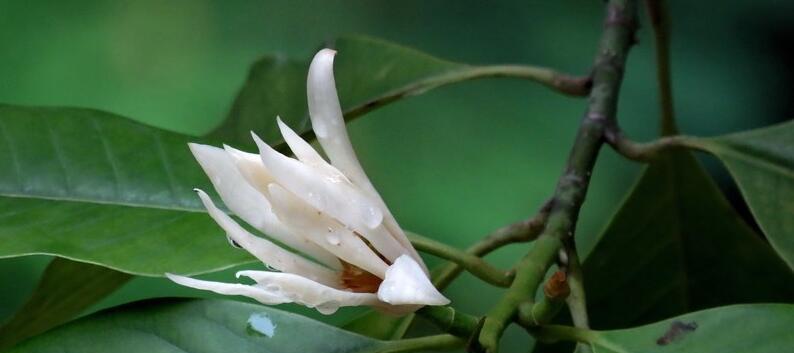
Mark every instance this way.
x=333 y=239
x=372 y=217
x=233 y=243
x=328 y=307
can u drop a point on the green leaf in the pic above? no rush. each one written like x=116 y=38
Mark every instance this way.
x=676 y=246
x=369 y=73
x=95 y=187
x=64 y=291
x=762 y=162
x=197 y=326
x=757 y=328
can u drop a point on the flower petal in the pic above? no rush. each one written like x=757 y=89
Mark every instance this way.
x=250 y=167
x=307 y=292
x=325 y=231
x=305 y=153
x=267 y=252
x=329 y=126
x=406 y=283
x=336 y=196
x=249 y=204
x=236 y=193
x=253 y=292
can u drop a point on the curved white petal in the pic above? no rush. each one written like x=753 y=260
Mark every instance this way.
x=267 y=252
x=335 y=196
x=248 y=203
x=305 y=153
x=329 y=126
x=325 y=231
x=250 y=167
x=307 y=292
x=406 y=283
x=236 y=193
x=256 y=293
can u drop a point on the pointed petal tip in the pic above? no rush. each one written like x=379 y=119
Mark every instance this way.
x=259 y=142
x=325 y=53
x=407 y=284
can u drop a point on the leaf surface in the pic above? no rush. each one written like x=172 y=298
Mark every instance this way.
x=676 y=246
x=98 y=188
x=196 y=326
x=757 y=328
x=64 y=291
x=762 y=163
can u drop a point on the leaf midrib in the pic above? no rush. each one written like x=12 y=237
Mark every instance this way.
x=102 y=202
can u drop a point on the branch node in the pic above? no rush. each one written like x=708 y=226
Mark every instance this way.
x=556 y=288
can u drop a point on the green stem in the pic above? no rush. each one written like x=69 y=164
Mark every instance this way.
x=523 y=231
x=436 y=343
x=577 y=303
x=649 y=151
x=450 y=320
x=475 y=265
x=577 y=86
x=617 y=37
x=532 y=269
x=570 y=85
x=660 y=22
x=533 y=314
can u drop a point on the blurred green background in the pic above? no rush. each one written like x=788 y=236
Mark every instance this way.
x=452 y=164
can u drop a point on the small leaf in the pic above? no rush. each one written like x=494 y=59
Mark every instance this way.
x=196 y=326
x=757 y=328
x=64 y=291
x=676 y=246
x=762 y=162
x=95 y=187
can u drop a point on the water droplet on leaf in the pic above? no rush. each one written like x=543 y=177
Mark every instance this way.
x=259 y=324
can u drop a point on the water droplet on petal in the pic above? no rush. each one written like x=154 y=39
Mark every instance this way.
x=372 y=217
x=233 y=243
x=328 y=307
x=333 y=239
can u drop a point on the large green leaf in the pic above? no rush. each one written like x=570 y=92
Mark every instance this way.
x=676 y=246
x=762 y=162
x=369 y=73
x=757 y=328
x=196 y=326
x=95 y=187
x=64 y=291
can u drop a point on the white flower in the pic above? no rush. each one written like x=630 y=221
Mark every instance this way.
x=353 y=252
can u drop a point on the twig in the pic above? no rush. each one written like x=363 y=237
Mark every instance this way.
x=648 y=151
x=523 y=231
x=618 y=36
x=472 y=263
